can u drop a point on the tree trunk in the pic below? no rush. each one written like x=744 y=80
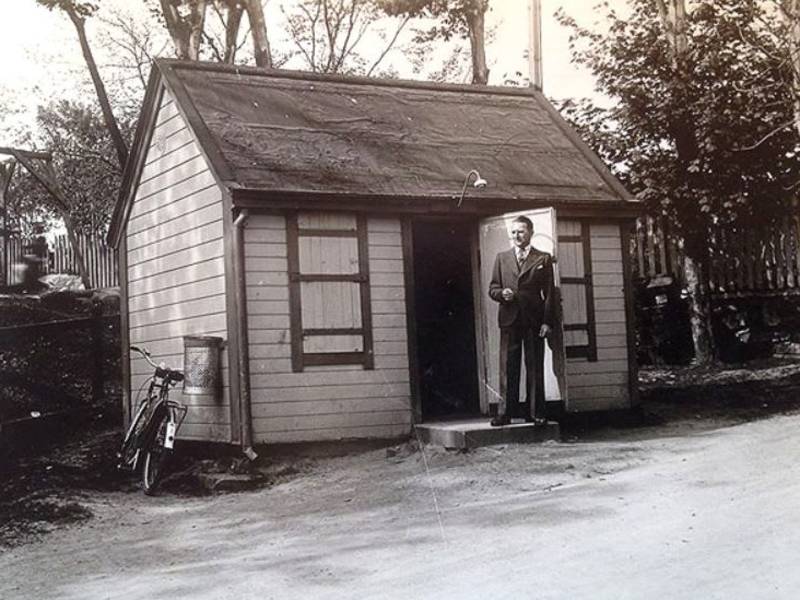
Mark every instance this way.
x=76 y=250
x=699 y=317
x=6 y=173
x=477 y=41
x=186 y=31
x=684 y=132
x=105 y=105
x=258 y=29
x=232 y=24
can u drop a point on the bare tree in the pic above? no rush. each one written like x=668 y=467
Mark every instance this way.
x=465 y=18
x=133 y=44
x=327 y=34
x=185 y=20
x=78 y=12
x=225 y=46
x=258 y=31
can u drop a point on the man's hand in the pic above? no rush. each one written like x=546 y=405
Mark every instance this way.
x=508 y=294
x=544 y=330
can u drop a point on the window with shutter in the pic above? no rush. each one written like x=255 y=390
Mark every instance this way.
x=577 y=294
x=329 y=295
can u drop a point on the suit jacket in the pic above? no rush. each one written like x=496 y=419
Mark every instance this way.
x=532 y=283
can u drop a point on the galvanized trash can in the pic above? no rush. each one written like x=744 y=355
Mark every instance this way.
x=201 y=366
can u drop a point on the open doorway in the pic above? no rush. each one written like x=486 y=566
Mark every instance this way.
x=445 y=317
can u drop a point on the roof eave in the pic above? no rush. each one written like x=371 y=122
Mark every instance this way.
x=136 y=158
x=482 y=204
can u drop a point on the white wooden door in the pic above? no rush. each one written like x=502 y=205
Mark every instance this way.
x=494 y=237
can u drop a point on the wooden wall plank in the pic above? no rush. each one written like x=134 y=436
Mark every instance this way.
x=270 y=352
x=264 y=235
x=160 y=247
x=161 y=182
x=327 y=407
x=204 y=269
x=173 y=203
x=339 y=433
x=165 y=229
x=176 y=312
x=261 y=393
x=204 y=324
x=330 y=421
x=576 y=366
x=599 y=391
x=194 y=290
x=176 y=261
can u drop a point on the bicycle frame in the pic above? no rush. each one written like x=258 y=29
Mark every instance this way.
x=151 y=408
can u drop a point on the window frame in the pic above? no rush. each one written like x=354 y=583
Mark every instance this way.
x=300 y=358
x=588 y=350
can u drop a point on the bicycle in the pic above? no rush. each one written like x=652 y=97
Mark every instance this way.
x=150 y=438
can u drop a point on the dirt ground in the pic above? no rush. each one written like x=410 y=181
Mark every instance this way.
x=697 y=499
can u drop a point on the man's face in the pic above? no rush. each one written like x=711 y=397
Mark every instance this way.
x=521 y=234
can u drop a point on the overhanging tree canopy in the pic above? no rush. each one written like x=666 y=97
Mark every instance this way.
x=701 y=124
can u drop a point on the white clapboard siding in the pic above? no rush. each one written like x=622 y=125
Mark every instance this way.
x=399 y=430
x=332 y=402
x=603 y=384
x=176 y=273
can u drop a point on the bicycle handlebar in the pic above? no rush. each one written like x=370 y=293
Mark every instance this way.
x=161 y=371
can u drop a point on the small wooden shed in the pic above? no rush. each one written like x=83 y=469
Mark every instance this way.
x=325 y=227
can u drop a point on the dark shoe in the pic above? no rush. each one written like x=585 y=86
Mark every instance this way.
x=500 y=421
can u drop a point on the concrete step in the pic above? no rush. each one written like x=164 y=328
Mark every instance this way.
x=473 y=433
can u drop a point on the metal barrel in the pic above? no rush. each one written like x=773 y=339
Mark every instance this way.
x=201 y=365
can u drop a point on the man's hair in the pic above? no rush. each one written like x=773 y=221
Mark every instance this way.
x=526 y=220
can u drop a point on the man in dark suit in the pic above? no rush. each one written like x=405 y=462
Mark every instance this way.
x=522 y=282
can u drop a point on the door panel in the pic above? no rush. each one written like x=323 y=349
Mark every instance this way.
x=495 y=236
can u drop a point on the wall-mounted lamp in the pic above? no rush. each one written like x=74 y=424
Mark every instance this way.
x=479 y=183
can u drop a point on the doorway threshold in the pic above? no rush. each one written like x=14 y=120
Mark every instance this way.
x=464 y=434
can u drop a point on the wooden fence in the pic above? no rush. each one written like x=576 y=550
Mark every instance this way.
x=742 y=258
x=101 y=260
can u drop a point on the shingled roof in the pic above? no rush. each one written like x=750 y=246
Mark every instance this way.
x=290 y=132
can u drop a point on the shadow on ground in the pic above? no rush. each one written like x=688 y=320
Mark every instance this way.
x=50 y=485
x=683 y=400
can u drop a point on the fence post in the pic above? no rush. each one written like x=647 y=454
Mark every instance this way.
x=97 y=351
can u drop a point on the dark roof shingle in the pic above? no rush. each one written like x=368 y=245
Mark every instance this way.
x=278 y=131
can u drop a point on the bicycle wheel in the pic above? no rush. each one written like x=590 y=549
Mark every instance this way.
x=131 y=443
x=155 y=454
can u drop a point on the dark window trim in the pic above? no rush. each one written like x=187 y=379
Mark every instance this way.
x=591 y=325
x=300 y=358
x=588 y=350
x=577 y=351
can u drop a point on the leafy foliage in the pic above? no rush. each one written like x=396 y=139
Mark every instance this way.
x=80 y=8
x=461 y=18
x=708 y=143
x=85 y=165
x=452 y=15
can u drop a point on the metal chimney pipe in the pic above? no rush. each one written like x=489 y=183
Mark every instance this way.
x=535 y=43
